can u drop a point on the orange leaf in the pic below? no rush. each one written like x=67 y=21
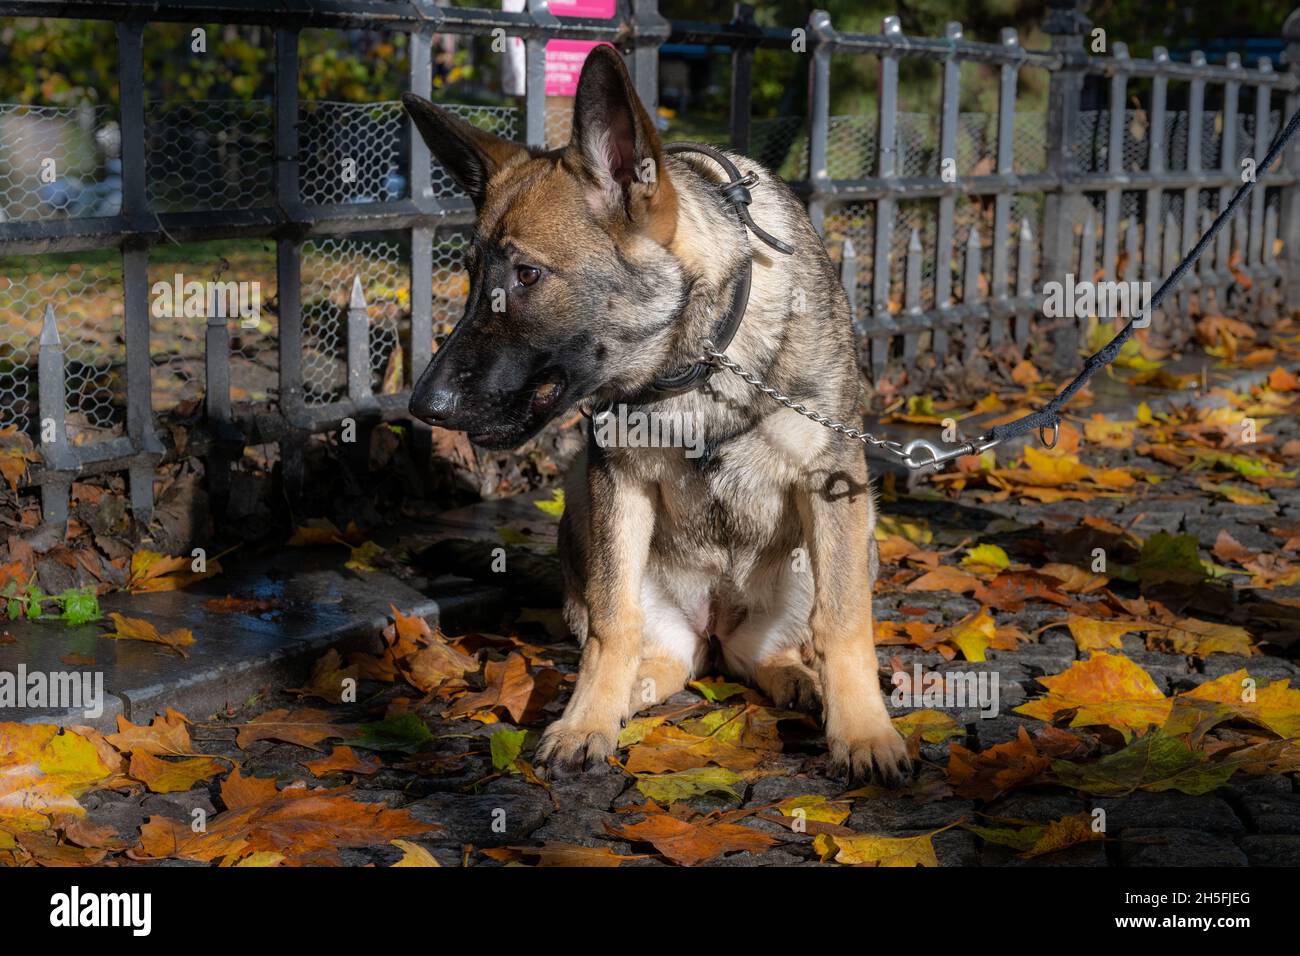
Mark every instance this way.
x=343 y=760
x=993 y=772
x=306 y=728
x=172 y=776
x=238 y=791
x=138 y=629
x=689 y=843
x=168 y=734
x=945 y=579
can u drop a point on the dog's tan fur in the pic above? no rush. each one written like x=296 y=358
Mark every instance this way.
x=766 y=543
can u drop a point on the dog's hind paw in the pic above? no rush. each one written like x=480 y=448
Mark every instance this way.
x=793 y=686
x=883 y=751
x=568 y=747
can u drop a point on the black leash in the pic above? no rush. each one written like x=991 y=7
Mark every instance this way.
x=1049 y=416
x=918 y=454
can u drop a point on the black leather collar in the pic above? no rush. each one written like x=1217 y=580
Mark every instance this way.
x=736 y=193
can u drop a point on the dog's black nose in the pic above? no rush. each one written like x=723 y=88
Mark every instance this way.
x=433 y=406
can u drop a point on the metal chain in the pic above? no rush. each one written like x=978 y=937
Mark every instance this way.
x=855 y=434
x=905 y=453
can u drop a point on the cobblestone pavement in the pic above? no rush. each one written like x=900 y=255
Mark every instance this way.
x=1248 y=817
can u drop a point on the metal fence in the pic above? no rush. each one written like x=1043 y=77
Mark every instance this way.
x=1114 y=179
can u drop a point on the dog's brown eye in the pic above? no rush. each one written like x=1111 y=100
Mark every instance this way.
x=528 y=274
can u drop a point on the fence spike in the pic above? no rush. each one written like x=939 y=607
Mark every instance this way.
x=849 y=275
x=1270 y=235
x=1088 y=247
x=1024 y=279
x=1241 y=234
x=1206 y=265
x=49 y=329
x=1171 y=241
x=358 y=336
x=1176 y=302
x=1025 y=259
x=1131 y=250
x=970 y=280
x=52 y=395
x=358 y=300
x=217 y=392
x=971 y=292
x=912 y=297
x=912 y=289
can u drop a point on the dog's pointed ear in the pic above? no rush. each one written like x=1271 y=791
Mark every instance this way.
x=616 y=144
x=470 y=154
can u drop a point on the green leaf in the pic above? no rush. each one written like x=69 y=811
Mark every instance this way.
x=363 y=557
x=669 y=787
x=934 y=726
x=636 y=729
x=718 y=689
x=1155 y=762
x=14 y=608
x=80 y=605
x=706 y=725
x=1018 y=839
x=1168 y=557
x=506 y=745
x=405 y=733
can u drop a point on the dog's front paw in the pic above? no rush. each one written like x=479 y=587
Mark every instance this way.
x=569 y=746
x=854 y=756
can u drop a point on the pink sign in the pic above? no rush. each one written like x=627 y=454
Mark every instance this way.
x=564 y=59
x=602 y=9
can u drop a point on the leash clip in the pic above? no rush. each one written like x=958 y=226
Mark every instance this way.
x=1056 y=434
x=938 y=457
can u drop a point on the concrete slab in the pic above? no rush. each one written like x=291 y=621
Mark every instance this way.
x=311 y=604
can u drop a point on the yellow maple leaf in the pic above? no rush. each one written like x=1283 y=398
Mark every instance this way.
x=1106 y=689
x=874 y=850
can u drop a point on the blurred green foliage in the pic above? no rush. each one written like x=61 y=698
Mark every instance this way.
x=63 y=62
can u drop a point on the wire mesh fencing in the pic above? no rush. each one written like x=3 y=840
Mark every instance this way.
x=277 y=264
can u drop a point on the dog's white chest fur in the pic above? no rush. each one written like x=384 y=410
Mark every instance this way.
x=727 y=559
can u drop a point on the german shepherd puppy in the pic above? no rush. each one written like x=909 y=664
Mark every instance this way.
x=595 y=269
